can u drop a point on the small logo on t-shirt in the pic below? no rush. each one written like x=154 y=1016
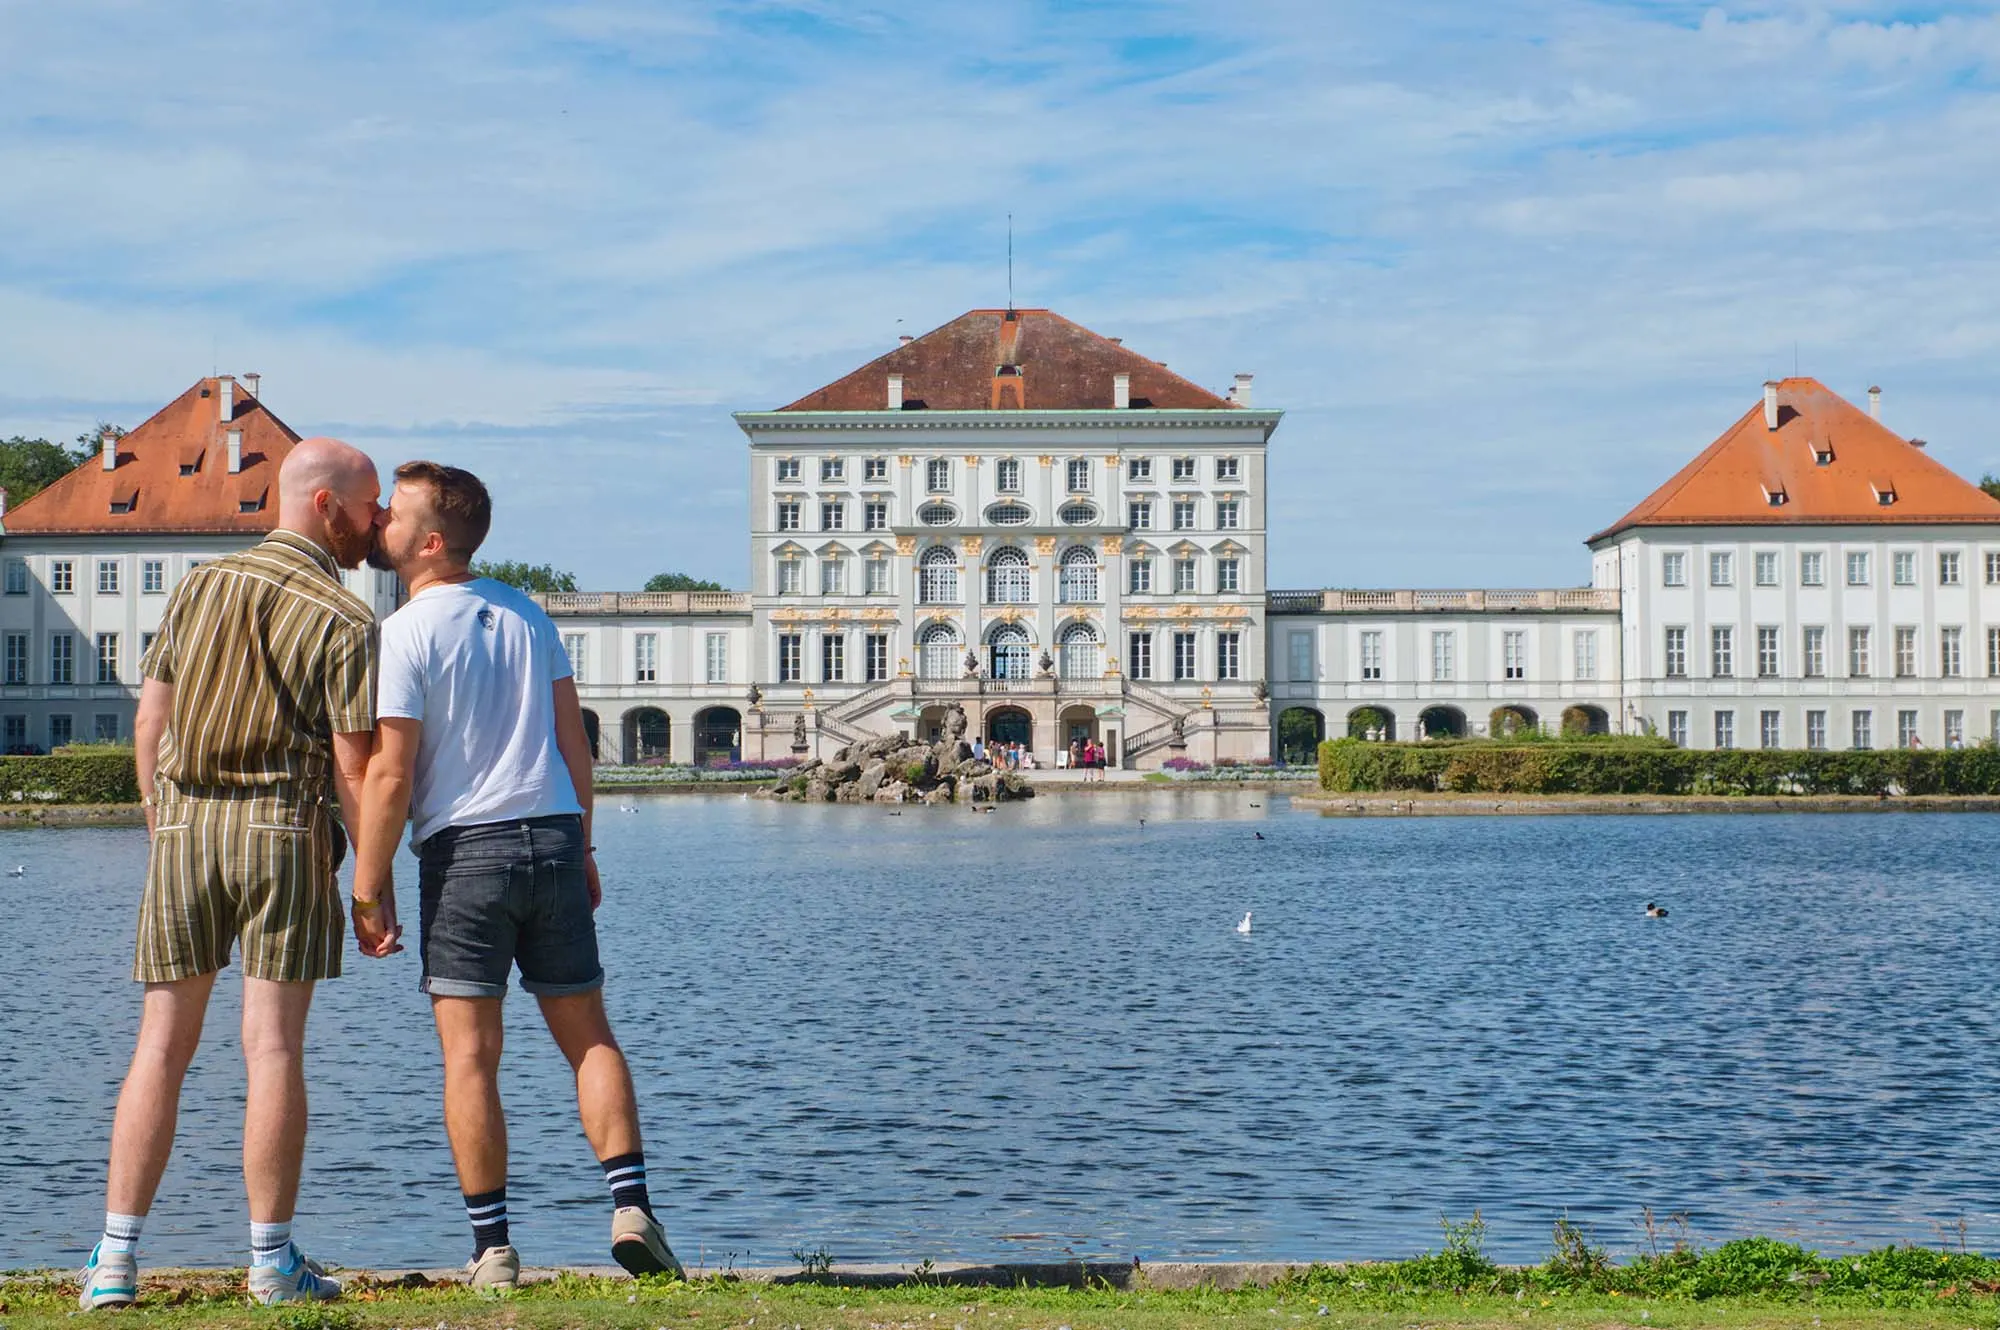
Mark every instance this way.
x=486 y=619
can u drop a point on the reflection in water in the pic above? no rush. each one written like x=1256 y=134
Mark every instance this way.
x=929 y=1035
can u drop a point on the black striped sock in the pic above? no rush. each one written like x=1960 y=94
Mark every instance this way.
x=488 y=1213
x=626 y=1176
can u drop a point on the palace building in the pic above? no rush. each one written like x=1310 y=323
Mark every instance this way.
x=1018 y=516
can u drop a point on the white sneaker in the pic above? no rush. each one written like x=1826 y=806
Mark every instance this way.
x=640 y=1245
x=109 y=1279
x=495 y=1270
x=298 y=1279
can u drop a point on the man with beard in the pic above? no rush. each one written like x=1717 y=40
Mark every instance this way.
x=482 y=747
x=257 y=711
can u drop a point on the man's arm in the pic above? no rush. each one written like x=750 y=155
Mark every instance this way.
x=156 y=705
x=574 y=742
x=376 y=800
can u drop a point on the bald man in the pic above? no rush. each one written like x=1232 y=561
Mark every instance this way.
x=256 y=714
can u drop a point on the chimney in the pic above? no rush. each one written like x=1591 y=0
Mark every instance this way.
x=225 y=397
x=108 y=444
x=1240 y=394
x=1874 y=403
x=895 y=392
x=1916 y=443
x=1115 y=341
x=235 y=451
x=906 y=339
x=1121 y=392
x=1770 y=404
x=251 y=381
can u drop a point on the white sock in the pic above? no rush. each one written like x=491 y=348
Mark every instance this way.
x=268 y=1242
x=121 y=1233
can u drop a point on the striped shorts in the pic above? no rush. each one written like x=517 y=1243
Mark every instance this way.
x=245 y=864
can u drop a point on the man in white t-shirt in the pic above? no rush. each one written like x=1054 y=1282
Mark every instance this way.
x=480 y=745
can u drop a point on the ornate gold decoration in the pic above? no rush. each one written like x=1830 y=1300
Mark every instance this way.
x=1113 y=544
x=906 y=544
x=1045 y=544
x=1046 y=461
x=906 y=461
x=1010 y=615
x=785 y=613
x=1112 y=461
x=902 y=667
x=973 y=544
x=972 y=459
x=1186 y=611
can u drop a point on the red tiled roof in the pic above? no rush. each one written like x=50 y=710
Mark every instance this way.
x=148 y=484
x=993 y=359
x=1732 y=481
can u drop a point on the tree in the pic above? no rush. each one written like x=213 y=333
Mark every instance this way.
x=1991 y=484
x=680 y=582
x=29 y=466
x=539 y=577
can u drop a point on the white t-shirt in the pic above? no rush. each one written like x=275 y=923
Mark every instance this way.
x=477 y=662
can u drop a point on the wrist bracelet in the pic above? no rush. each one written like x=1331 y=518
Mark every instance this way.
x=367 y=907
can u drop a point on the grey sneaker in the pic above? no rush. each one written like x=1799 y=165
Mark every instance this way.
x=640 y=1245
x=109 y=1279
x=495 y=1270
x=298 y=1279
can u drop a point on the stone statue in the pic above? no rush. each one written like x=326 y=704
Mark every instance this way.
x=971 y=664
x=1262 y=691
x=954 y=723
x=1047 y=662
x=1180 y=726
x=756 y=695
x=799 y=730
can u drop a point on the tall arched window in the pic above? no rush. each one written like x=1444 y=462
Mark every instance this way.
x=937 y=577
x=1010 y=651
x=938 y=652
x=1007 y=577
x=1081 y=654
x=1079 y=576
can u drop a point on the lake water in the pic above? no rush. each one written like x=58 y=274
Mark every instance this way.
x=1036 y=1033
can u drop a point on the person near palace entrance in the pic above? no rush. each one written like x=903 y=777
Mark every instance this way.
x=481 y=747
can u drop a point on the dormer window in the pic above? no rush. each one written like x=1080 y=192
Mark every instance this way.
x=125 y=502
x=1776 y=498
x=1885 y=492
x=1823 y=454
x=255 y=505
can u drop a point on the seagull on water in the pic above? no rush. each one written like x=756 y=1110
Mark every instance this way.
x=1655 y=911
x=19 y=870
x=1258 y=834
x=1243 y=925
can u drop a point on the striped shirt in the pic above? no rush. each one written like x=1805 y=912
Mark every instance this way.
x=270 y=657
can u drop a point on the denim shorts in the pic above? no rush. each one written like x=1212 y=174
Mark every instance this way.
x=503 y=894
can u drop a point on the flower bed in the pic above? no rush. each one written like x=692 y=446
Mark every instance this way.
x=668 y=773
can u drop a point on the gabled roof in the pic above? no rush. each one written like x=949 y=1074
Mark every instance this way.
x=1755 y=475
x=147 y=486
x=996 y=359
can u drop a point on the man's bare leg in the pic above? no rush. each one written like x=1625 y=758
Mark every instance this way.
x=142 y=1132
x=471 y=1034
x=604 y=1096
x=274 y=1110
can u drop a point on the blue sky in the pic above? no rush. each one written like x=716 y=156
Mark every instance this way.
x=1506 y=264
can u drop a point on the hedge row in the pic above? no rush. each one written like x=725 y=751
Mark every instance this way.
x=88 y=775
x=1487 y=767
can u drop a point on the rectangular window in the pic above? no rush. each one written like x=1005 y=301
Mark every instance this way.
x=1857 y=653
x=152 y=576
x=788 y=469
x=1183 y=514
x=145 y=644
x=62 y=576
x=1812 y=663
x=832 y=468
x=1864 y=729
x=791 y=580
x=1767 y=568
x=716 y=654
x=1673 y=569
x=878 y=577
x=1767 y=653
x=1725 y=729
x=1903 y=568
x=105 y=727
x=937 y=475
x=62 y=659
x=874 y=468
x=1078 y=474
x=60 y=730
x=833 y=577
x=1139 y=576
x=1993 y=568
x=1951 y=655
x=1444 y=656
x=1184 y=656
x=646 y=658
x=1139 y=655
x=14 y=734
x=1514 y=655
x=1229 y=468
x=17 y=658
x=1299 y=650
x=875 y=653
x=1007 y=475
x=1228 y=656
x=832 y=515
x=17 y=585
x=789 y=515
x=1722 y=652
x=1677 y=728
x=1183 y=468
x=1954 y=729
x=789 y=645
x=1141 y=513
x=1584 y=648
x=1677 y=653
x=1948 y=561
x=875 y=515
x=1857 y=568
x=1227 y=576
x=1722 y=569
x=833 y=658
x=1816 y=730
x=1770 y=732
x=107 y=577
x=1993 y=653
x=1139 y=468
x=1183 y=576
x=1906 y=653
x=1371 y=655
x=1812 y=568
x=1906 y=730
x=107 y=658
x=1225 y=514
